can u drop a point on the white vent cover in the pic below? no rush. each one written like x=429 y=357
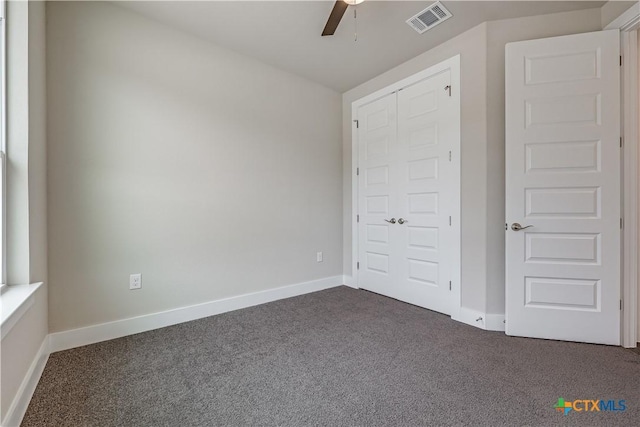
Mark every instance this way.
x=429 y=18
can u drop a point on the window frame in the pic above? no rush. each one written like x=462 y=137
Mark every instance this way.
x=3 y=146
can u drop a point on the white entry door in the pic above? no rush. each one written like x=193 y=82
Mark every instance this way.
x=409 y=192
x=563 y=188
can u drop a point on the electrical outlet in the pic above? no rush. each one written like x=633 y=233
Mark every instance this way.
x=135 y=281
x=319 y=257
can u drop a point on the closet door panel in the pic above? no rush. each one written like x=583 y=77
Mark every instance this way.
x=425 y=127
x=377 y=199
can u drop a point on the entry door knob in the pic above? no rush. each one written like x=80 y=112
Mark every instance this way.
x=402 y=221
x=391 y=221
x=517 y=227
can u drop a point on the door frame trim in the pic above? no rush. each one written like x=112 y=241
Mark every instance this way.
x=452 y=64
x=628 y=23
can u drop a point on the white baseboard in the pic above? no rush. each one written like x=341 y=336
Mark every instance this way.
x=107 y=331
x=470 y=317
x=349 y=281
x=21 y=401
x=495 y=322
x=489 y=322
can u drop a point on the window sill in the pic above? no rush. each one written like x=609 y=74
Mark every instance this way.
x=16 y=301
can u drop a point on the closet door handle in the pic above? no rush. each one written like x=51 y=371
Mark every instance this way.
x=391 y=221
x=517 y=227
x=402 y=221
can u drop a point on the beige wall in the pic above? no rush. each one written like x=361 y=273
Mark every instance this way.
x=482 y=180
x=210 y=173
x=26 y=187
x=37 y=145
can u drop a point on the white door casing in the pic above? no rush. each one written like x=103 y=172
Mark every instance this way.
x=563 y=180
x=411 y=174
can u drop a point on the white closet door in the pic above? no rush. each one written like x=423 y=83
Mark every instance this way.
x=377 y=197
x=427 y=127
x=409 y=190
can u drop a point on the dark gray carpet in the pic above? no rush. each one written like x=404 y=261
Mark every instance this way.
x=339 y=357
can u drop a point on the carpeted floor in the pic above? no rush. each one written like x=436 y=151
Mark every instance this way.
x=339 y=357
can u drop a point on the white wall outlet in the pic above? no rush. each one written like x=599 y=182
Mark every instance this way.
x=135 y=281
x=319 y=257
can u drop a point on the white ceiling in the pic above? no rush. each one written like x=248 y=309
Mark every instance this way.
x=286 y=34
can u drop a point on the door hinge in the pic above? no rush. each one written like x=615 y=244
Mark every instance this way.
x=357 y=124
x=358 y=171
x=621 y=224
x=449 y=155
x=621 y=60
x=620 y=142
x=357 y=218
x=358 y=265
x=620 y=305
x=449 y=284
x=449 y=220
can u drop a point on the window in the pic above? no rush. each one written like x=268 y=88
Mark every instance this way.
x=3 y=145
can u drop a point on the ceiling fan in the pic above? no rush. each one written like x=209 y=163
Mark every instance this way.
x=339 y=8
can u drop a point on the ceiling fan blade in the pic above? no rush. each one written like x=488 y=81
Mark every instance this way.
x=334 y=19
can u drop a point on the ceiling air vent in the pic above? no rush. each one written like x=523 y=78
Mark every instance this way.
x=429 y=18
